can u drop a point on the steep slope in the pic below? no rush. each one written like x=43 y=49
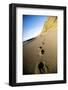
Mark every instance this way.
x=50 y=24
x=42 y=49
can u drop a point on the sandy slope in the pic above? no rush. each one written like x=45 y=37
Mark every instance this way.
x=33 y=56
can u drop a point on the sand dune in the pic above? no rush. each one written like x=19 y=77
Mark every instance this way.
x=50 y=24
x=33 y=55
x=40 y=53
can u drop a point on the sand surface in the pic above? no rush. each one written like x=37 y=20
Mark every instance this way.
x=32 y=53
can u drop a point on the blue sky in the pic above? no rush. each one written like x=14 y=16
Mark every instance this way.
x=32 y=25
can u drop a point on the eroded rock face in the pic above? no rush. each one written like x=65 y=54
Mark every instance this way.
x=40 y=53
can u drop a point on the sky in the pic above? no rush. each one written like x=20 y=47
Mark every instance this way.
x=32 y=26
